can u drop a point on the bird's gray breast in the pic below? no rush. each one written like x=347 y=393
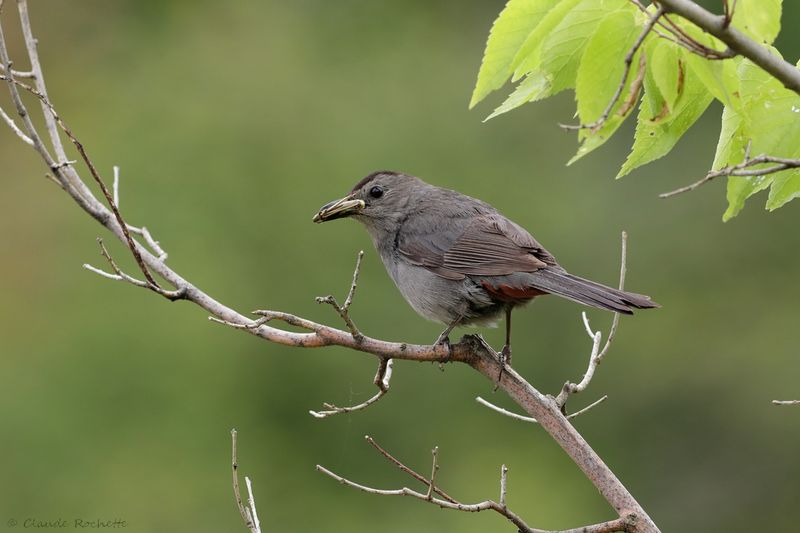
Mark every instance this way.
x=441 y=299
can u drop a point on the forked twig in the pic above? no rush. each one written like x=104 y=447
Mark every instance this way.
x=248 y=512
x=531 y=420
x=596 y=356
x=624 y=523
x=344 y=310
x=742 y=169
x=382 y=380
x=119 y=275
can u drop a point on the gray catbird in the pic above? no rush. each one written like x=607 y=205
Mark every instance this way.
x=458 y=261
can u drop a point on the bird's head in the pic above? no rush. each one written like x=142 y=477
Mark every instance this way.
x=376 y=201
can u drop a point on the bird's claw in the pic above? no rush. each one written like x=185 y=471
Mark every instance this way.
x=443 y=340
x=504 y=356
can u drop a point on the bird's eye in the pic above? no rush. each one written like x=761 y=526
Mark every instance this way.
x=376 y=192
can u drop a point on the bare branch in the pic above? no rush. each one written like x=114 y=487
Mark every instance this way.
x=382 y=380
x=143 y=231
x=434 y=469
x=786 y=402
x=597 y=124
x=19 y=73
x=597 y=355
x=407 y=470
x=119 y=275
x=742 y=169
x=251 y=501
x=116 y=186
x=503 y=485
x=506 y=412
x=343 y=310
x=11 y=124
x=249 y=515
x=151 y=242
x=626 y=522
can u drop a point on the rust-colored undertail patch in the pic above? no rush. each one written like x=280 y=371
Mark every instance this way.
x=507 y=293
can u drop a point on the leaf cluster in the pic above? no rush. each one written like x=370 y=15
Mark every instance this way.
x=547 y=46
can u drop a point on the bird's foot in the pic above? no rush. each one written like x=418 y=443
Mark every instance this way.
x=443 y=340
x=505 y=360
x=505 y=355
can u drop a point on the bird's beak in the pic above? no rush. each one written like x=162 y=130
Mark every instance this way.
x=338 y=209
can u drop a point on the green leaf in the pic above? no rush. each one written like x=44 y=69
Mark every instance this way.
x=562 y=50
x=652 y=93
x=770 y=118
x=667 y=72
x=759 y=19
x=732 y=140
x=740 y=188
x=785 y=187
x=603 y=63
x=527 y=58
x=656 y=132
x=730 y=151
x=517 y=20
x=719 y=77
x=535 y=87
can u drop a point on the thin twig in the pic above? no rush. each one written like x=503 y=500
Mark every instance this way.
x=510 y=414
x=786 y=402
x=249 y=515
x=596 y=356
x=503 y=485
x=13 y=125
x=251 y=501
x=19 y=73
x=407 y=470
x=343 y=310
x=382 y=380
x=624 y=523
x=597 y=124
x=116 y=186
x=119 y=275
x=696 y=46
x=742 y=169
x=151 y=242
x=434 y=469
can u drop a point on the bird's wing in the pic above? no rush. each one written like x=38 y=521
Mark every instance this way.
x=489 y=245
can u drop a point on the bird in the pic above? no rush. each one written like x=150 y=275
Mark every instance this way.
x=456 y=260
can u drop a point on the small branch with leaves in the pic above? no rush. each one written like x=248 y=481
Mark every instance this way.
x=738 y=43
x=636 y=85
x=745 y=168
x=431 y=491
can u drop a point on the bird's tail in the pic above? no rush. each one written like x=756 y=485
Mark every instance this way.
x=589 y=292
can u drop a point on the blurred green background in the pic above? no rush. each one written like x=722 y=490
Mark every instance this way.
x=233 y=122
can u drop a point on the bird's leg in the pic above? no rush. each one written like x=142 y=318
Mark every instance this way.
x=506 y=352
x=444 y=338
